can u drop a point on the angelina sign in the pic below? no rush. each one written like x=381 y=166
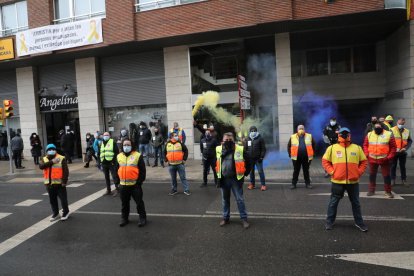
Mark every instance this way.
x=54 y=103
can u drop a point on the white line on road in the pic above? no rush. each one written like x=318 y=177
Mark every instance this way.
x=36 y=228
x=46 y=194
x=75 y=185
x=378 y=195
x=402 y=260
x=3 y=215
x=213 y=214
x=28 y=202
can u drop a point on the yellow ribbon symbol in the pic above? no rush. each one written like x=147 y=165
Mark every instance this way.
x=94 y=33
x=23 y=47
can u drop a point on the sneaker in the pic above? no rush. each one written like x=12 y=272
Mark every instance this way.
x=64 y=216
x=389 y=195
x=142 y=222
x=86 y=166
x=224 y=222
x=246 y=225
x=187 y=192
x=404 y=182
x=263 y=188
x=115 y=193
x=204 y=185
x=54 y=217
x=123 y=222
x=172 y=193
x=370 y=193
x=292 y=187
x=329 y=225
x=251 y=186
x=362 y=227
x=309 y=186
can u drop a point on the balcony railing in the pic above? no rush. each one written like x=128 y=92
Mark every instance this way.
x=7 y=32
x=78 y=17
x=158 y=4
x=395 y=4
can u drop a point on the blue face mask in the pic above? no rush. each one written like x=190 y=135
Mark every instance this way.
x=51 y=152
x=106 y=138
x=127 y=149
x=253 y=134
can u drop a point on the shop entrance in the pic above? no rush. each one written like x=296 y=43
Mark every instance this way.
x=68 y=121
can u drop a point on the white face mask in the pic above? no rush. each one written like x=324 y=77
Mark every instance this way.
x=51 y=152
x=400 y=126
x=333 y=123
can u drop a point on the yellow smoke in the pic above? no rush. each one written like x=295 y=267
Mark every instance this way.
x=210 y=99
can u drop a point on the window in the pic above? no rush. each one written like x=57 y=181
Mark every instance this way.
x=14 y=18
x=72 y=10
x=144 y=5
x=340 y=60
x=365 y=58
x=296 y=63
x=317 y=62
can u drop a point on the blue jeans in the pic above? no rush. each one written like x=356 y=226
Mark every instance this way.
x=158 y=151
x=3 y=152
x=259 y=166
x=228 y=185
x=144 y=150
x=337 y=192
x=173 y=169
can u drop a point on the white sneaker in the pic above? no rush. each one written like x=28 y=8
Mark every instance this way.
x=64 y=217
x=54 y=217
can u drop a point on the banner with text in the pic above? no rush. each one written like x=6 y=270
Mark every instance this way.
x=58 y=37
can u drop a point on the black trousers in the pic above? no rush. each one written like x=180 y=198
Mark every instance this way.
x=55 y=191
x=110 y=168
x=297 y=164
x=207 y=164
x=134 y=191
x=36 y=160
x=17 y=156
x=402 y=158
x=68 y=156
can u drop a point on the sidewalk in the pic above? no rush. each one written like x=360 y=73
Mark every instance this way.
x=278 y=171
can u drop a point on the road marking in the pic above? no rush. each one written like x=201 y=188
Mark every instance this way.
x=28 y=202
x=75 y=185
x=403 y=260
x=378 y=195
x=3 y=215
x=216 y=214
x=38 y=227
x=45 y=194
x=25 y=180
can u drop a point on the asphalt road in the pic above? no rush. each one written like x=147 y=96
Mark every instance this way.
x=182 y=237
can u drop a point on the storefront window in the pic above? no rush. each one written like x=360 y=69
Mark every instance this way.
x=118 y=118
x=317 y=62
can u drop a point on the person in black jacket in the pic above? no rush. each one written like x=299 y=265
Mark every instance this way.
x=157 y=142
x=208 y=145
x=36 y=147
x=144 y=138
x=90 y=152
x=256 y=151
x=66 y=145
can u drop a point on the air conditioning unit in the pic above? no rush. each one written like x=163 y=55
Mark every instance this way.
x=395 y=4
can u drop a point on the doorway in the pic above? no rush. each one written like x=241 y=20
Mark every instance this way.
x=68 y=121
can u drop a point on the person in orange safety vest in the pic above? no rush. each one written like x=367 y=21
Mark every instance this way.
x=132 y=173
x=380 y=147
x=345 y=163
x=55 y=174
x=403 y=141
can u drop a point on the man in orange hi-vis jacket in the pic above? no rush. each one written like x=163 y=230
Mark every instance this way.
x=345 y=162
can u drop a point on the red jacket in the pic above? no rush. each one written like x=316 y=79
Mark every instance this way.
x=390 y=156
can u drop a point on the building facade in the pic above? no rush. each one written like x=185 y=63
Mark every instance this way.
x=303 y=61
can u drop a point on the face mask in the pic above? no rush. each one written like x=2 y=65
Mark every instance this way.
x=400 y=126
x=252 y=135
x=378 y=130
x=51 y=152
x=123 y=132
x=174 y=138
x=344 y=139
x=106 y=138
x=88 y=137
x=127 y=149
x=228 y=144
x=141 y=126
x=34 y=136
x=333 y=123
x=301 y=132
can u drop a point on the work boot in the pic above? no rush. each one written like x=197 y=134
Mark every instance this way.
x=370 y=193
x=246 y=225
x=142 y=222
x=389 y=195
x=123 y=222
x=263 y=188
x=329 y=225
x=86 y=166
x=293 y=186
x=251 y=186
x=309 y=186
x=224 y=222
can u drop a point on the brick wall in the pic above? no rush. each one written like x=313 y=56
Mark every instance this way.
x=40 y=13
x=118 y=26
